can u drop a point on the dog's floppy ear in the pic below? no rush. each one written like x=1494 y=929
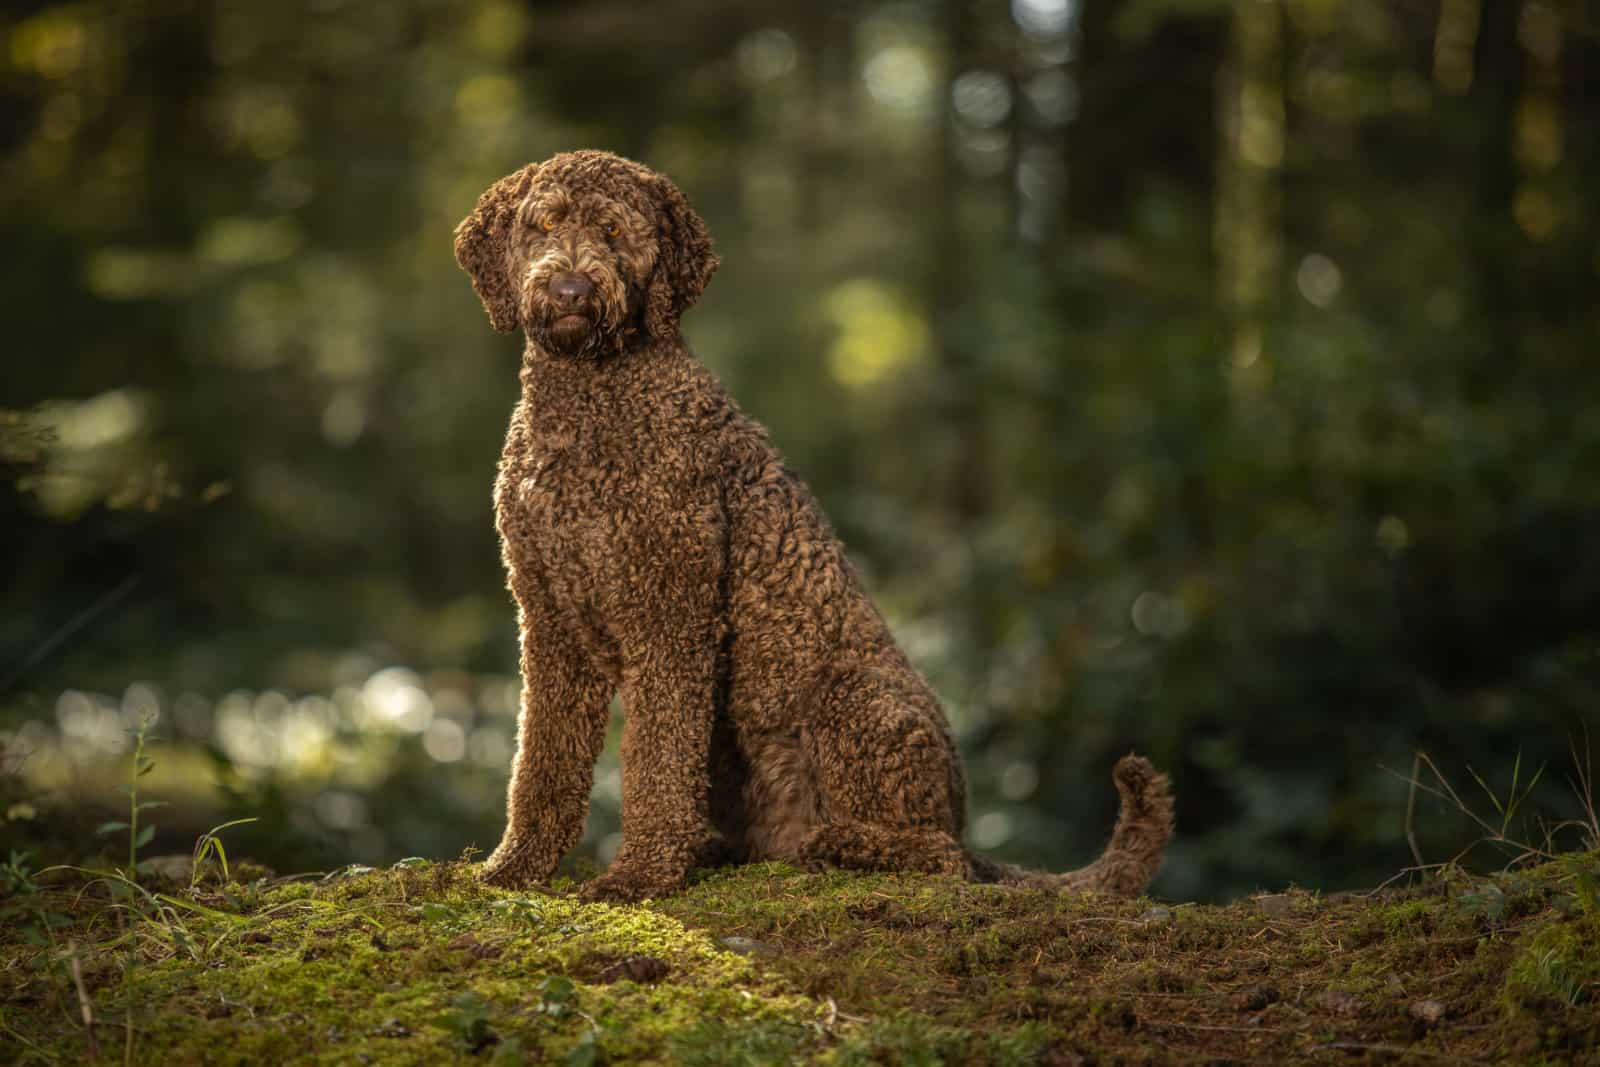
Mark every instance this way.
x=684 y=260
x=483 y=246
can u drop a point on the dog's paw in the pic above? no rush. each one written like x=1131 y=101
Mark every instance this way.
x=505 y=877
x=512 y=868
x=628 y=886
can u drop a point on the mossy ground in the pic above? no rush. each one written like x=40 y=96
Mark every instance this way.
x=421 y=964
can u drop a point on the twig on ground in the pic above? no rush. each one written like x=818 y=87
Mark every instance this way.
x=1395 y=1050
x=1411 y=811
x=85 y=1005
x=1582 y=784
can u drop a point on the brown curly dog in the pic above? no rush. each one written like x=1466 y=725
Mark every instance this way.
x=656 y=544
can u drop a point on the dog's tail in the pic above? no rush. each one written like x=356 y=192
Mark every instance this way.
x=1130 y=860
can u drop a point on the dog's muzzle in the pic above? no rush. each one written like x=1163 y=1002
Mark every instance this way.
x=571 y=309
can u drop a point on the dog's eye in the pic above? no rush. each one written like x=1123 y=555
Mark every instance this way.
x=547 y=222
x=614 y=229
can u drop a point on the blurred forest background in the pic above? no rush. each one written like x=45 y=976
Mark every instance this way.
x=1212 y=377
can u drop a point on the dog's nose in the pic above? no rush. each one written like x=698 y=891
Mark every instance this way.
x=570 y=290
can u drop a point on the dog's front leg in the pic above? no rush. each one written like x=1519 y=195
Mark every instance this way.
x=560 y=731
x=671 y=636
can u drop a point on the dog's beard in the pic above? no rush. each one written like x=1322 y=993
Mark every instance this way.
x=588 y=336
x=563 y=332
x=570 y=334
x=603 y=327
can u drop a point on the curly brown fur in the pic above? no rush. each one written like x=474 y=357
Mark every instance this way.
x=655 y=543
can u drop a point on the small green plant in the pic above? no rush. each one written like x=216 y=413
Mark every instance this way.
x=138 y=836
x=139 y=909
x=1554 y=975
x=1556 y=966
x=137 y=839
x=468 y=1021
x=558 y=998
x=1498 y=827
x=557 y=995
x=518 y=909
x=585 y=1053
x=1485 y=900
x=209 y=845
x=1582 y=783
x=16 y=876
x=1507 y=810
x=444 y=916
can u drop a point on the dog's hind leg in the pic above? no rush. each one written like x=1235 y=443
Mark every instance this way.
x=888 y=777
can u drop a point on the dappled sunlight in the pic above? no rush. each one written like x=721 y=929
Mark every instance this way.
x=880 y=334
x=93 y=452
x=332 y=750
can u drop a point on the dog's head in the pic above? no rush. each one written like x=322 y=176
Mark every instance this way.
x=585 y=250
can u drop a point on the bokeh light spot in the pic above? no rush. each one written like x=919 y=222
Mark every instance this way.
x=899 y=76
x=879 y=334
x=445 y=741
x=766 y=54
x=1318 y=279
x=1044 y=18
x=982 y=97
x=992 y=829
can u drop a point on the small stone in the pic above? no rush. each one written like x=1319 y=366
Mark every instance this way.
x=393 y=1028
x=641 y=969
x=748 y=946
x=1337 y=1001
x=1157 y=914
x=1255 y=998
x=1428 y=1011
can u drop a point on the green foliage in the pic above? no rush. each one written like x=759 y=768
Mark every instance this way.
x=16 y=876
x=1557 y=964
x=521 y=909
x=468 y=1021
x=210 y=845
x=1507 y=809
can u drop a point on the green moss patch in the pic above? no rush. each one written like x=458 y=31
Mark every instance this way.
x=422 y=964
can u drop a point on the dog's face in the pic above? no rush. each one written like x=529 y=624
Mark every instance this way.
x=584 y=252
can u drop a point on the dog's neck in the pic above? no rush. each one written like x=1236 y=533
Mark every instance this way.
x=564 y=386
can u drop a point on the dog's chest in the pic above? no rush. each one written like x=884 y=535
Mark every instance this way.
x=556 y=487
x=581 y=502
